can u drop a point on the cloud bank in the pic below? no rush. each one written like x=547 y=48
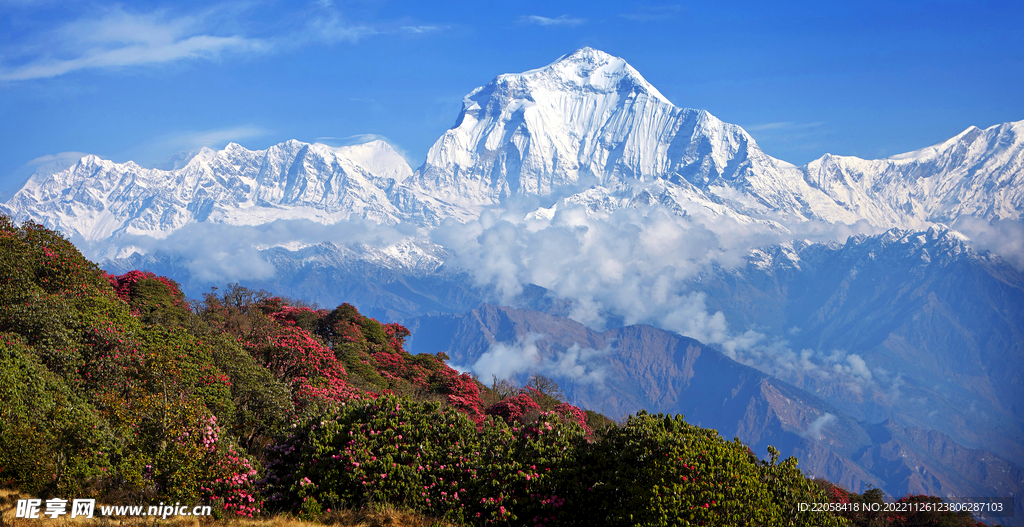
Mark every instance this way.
x=515 y=360
x=216 y=253
x=629 y=266
x=645 y=266
x=1002 y=237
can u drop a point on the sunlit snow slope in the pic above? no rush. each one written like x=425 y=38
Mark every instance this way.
x=586 y=129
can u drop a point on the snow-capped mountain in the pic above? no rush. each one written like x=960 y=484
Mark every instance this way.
x=97 y=199
x=589 y=120
x=589 y=125
x=977 y=173
x=586 y=129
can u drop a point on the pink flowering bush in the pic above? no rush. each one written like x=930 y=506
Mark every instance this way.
x=513 y=409
x=418 y=455
x=534 y=470
x=387 y=450
x=526 y=405
x=232 y=475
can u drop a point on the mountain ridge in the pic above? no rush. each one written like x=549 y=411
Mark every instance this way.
x=586 y=129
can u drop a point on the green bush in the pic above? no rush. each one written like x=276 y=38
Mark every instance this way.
x=431 y=459
x=388 y=450
x=262 y=404
x=660 y=470
x=51 y=441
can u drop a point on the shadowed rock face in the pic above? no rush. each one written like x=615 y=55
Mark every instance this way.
x=944 y=324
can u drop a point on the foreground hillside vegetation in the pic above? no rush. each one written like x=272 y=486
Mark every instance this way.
x=118 y=388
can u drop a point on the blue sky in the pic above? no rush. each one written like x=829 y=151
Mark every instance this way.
x=143 y=80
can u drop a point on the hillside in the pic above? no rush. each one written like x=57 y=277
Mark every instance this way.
x=118 y=388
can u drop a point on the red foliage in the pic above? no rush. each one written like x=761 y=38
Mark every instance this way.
x=123 y=285
x=399 y=364
x=514 y=408
x=572 y=413
x=396 y=336
x=293 y=315
x=463 y=393
x=295 y=356
x=838 y=495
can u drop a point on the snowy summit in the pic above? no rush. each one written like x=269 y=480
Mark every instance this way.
x=585 y=129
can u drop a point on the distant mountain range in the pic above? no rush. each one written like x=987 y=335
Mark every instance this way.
x=889 y=358
x=586 y=128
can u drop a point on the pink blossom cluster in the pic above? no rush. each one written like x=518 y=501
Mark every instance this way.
x=236 y=485
x=123 y=285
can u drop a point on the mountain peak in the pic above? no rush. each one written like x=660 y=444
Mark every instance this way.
x=587 y=55
x=592 y=69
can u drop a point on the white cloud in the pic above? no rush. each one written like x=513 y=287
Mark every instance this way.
x=68 y=158
x=506 y=360
x=815 y=429
x=216 y=253
x=118 y=38
x=421 y=30
x=509 y=360
x=634 y=263
x=213 y=138
x=640 y=265
x=1002 y=237
x=563 y=20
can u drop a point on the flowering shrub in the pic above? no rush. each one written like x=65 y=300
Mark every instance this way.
x=296 y=358
x=387 y=450
x=418 y=455
x=525 y=405
x=303 y=317
x=573 y=414
x=534 y=471
x=660 y=470
x=47 y=288
x=230 y=476
x=127 y=286
x=461 y=392
x=513 y=409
